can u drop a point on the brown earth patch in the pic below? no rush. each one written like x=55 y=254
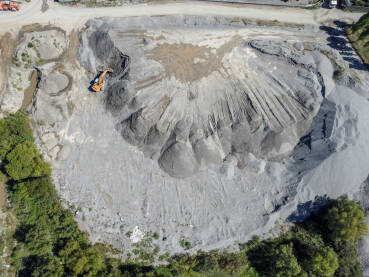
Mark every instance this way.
x=2 y=195
x=180 y=60
x=7 y=45
x=188 y=62
x=30 y=91
x=72 y=50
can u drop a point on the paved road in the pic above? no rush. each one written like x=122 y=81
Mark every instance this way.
x=74 y=17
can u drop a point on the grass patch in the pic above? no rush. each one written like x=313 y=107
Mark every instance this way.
x=185 y=244
x=236 y=20
x=271 y=23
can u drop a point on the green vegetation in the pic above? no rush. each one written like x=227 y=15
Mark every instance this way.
x=337 y=74
x=346 y=221
x=155 y=235
x=14 y=130
x=49 y=243
x=26 y=59
x=358 y=34
x=24 y=161
x=145 y=251
x=15 y=85
x=364 y=3
x=185 y=244
x=271 y=23
x=16 y=61
x=30 y=45
x=236 y=20
x=286 y=263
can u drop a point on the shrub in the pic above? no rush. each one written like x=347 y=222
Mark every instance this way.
x=337 y=74
x=346 y=221
x=24 y=161
x=349 y=264
x=286 y=264
x=14 y=129
x=324 y=263
x=185 y=244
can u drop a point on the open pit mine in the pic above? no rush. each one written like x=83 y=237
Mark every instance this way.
x=206 y=129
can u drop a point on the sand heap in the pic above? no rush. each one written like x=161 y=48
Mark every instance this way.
x=191 y=100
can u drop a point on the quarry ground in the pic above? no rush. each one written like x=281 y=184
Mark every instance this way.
x=115 y=153
x=70 y=18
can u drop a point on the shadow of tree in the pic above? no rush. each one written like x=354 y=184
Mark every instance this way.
x=338 y=41
x=304 y=210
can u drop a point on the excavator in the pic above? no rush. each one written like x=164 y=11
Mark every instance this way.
x=9 y=6
x=98 y=83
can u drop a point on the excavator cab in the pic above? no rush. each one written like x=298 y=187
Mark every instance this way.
x=9 y=6
x=98 y=82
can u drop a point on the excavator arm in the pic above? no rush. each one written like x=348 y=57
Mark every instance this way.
x=97 y=86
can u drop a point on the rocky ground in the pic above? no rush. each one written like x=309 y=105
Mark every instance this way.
x=210 y=129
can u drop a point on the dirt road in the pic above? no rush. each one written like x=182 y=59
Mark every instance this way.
x=72 y=17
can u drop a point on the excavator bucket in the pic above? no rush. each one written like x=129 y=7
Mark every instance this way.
x=98 y=83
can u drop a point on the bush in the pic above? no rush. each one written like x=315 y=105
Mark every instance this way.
x=349 y=264
x=14 y=129
x=286 y=264
x=337 y=74
x=324 y=263
x=24 y=161
x=346 y=221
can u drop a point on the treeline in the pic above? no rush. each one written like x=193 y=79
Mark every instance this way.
x=358 y=34
x=49 y=242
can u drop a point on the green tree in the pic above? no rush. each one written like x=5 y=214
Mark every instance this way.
x=349 y=264
x=346 y=221
x=286 y=264
x=24 y=161
x=47 y=266
x=14 y=129
x=324 y=263
x=80 y=261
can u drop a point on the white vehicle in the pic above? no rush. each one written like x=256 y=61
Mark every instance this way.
x=332 y=4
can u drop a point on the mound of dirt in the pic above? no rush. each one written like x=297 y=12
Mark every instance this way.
x=229 y=95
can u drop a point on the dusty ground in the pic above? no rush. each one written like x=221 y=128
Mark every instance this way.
x=7 y=44
x=230 y=200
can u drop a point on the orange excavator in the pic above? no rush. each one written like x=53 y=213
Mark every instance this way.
x=9 y=6
x=98 y=83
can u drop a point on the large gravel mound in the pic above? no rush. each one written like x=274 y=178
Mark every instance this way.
x=190 y=102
